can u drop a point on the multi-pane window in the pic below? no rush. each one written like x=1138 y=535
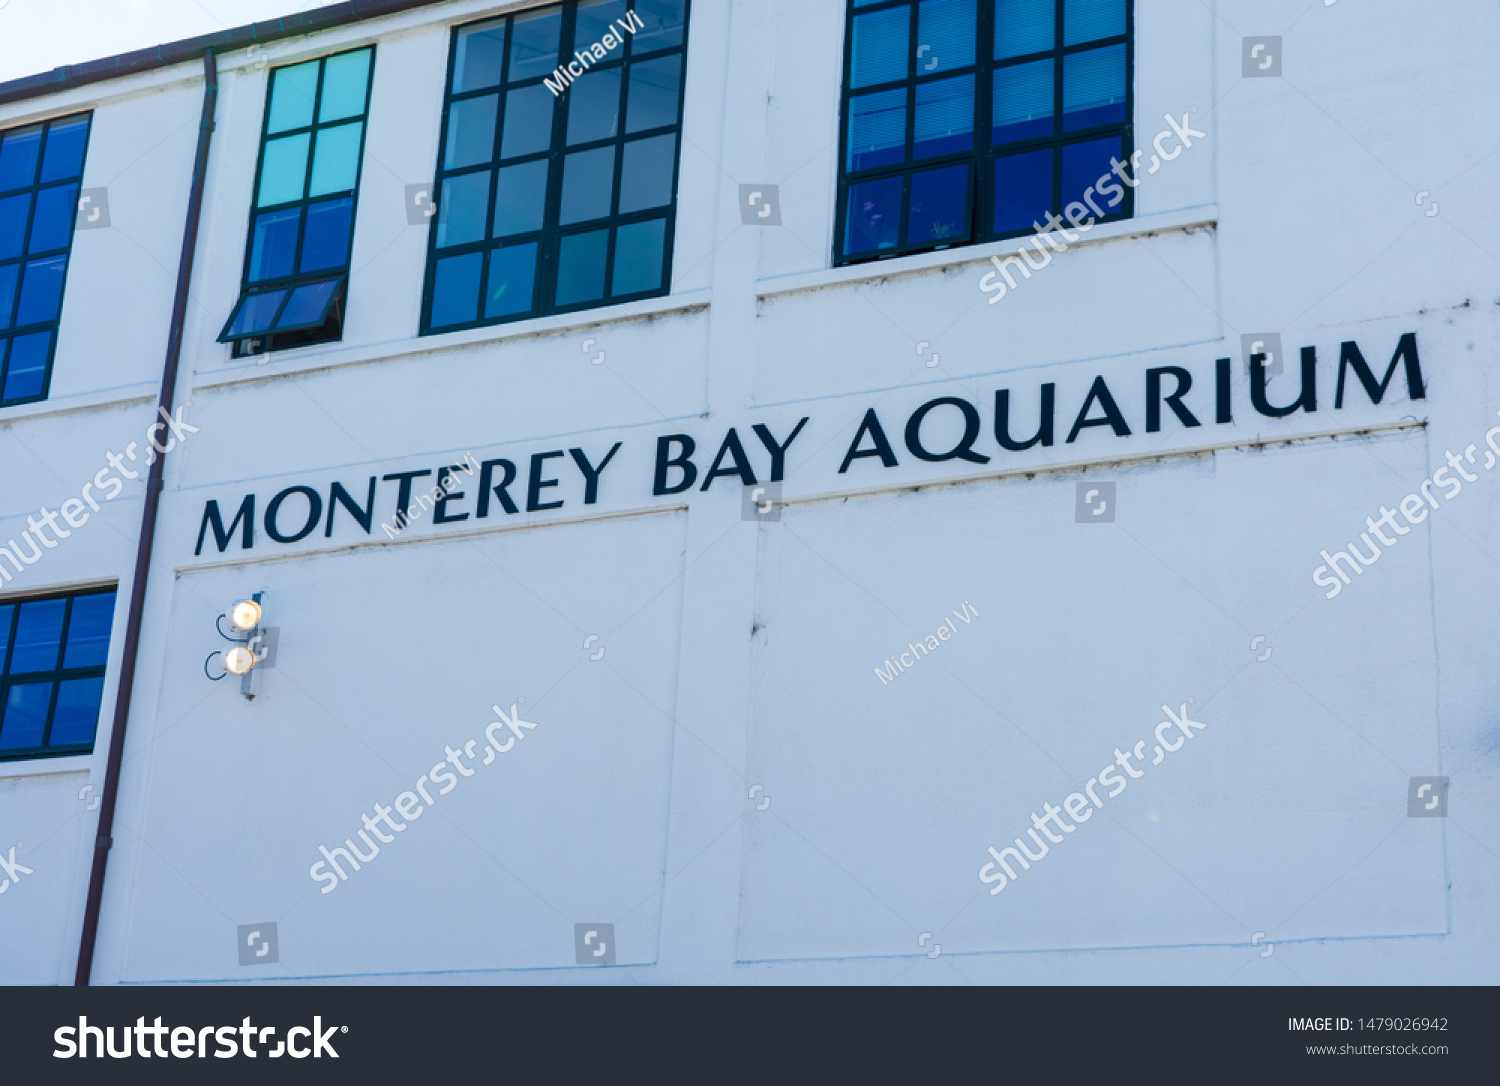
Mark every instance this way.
x=41 y=167
x=306 y=187
x=969 y=120
x=557 y=174
x=52 y=656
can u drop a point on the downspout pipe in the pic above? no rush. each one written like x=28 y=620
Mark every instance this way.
x=103 y=840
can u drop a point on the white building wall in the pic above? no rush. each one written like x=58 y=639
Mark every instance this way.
x=738 y=655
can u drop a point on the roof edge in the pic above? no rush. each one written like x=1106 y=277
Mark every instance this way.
x=69 y=76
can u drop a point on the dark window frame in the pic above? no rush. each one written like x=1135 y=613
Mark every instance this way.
x=331 y=328
x=10 y=332
x=55 y=675
x=983 y=154
x=551 y=235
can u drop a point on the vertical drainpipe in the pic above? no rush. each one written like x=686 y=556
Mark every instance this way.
x=103 y=840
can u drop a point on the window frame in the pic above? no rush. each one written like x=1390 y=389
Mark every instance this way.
x=11 y=332
x=331 y=329
x=549 y=238
x=983 y=154
x=55 y=675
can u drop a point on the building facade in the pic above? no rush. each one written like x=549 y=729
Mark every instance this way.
x=864 y=491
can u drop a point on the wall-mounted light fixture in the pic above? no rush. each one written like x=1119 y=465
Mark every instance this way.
x=254 y=651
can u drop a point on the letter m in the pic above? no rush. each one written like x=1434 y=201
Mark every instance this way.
x=558 y=88
x=887 y=675
x=223 y=535
x=1406 y=350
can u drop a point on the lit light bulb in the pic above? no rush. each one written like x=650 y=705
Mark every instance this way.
x=245 y=615
x=238 y=660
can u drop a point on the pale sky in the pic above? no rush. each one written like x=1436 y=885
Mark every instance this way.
x=38 y=35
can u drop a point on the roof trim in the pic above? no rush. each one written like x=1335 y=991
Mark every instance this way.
x=69 y=76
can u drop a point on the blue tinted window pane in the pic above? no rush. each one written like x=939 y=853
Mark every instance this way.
x=520 y=198
x=663 y=21
x=25 y=716
x=939 y=202
x=528 y=121
x=6 y=613
x=52 y=225
x=877 y=129
x=1023 y=191
x=13 y=211
x=336 y=159
x=594 y=106
x=880 y=46
x=1024 y=26
x=1094 y=88
x=345 y=80
x=9 y=273
x=455 y=289
x=293 y=91
x=18 y=156
x=283 y=170
x=64 y=157
x=77 y=712
x=533 y=43
x=307 y=305
x=1022 y=102
x=946 y=29
x=462 y=206
x=256 y=313
x=479 y=56
x=1083 y=164
x=580 y=267
x=26 y=367
x=646 y=173
x=88 y=630
x=326 y=244
x=1086 y=20
x=587 y=180
x=655 y=86
x=511 y=282
x=38 y=636
x=273 y=244
x=945 y=117
x=471 y=131
x=594 y=19
x=874 y=216
x=638 y=257
x=41 y=290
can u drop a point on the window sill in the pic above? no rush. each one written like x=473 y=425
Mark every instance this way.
x=310 y=359
x=896 y=267
x=60 y=765
x=145 y=392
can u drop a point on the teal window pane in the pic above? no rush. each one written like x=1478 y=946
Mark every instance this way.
x=663 y=21
x=346 y=78
x=1094 y=88
x=528 y=121
x=594 y=107
x=65 y=142
x=880 y=46
x=945 y=35
x=638 y=257
x=283 y=170
x=587 y=179
x=471 y=132
x=877 y=129
x=455 y=289
x=580 y=267
x=512 y=281
x=293 y=91
x=1089 y=20
x=1024 y=26
x=646 y=173
x=478 y=57
x=654 y=88
x=336 y=159
x=534 y=43
x=25 y=715
x=520 y=198
x=462 y=207
x=77 y=713
x=595 y=19
x=88 y=630
x=945 y=117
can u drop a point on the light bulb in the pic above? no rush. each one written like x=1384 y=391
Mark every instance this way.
x=245 y=615
x=238 y=660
